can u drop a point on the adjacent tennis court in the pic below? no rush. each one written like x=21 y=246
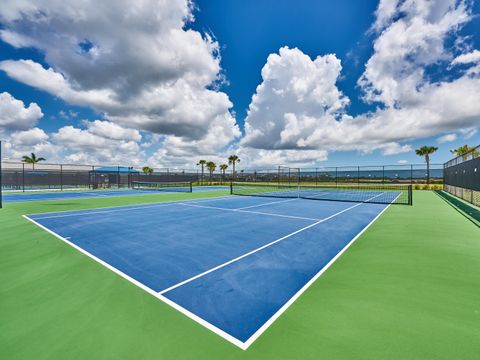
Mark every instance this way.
x=233 y=264
x=81 y=194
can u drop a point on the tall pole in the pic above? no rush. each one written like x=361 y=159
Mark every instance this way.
x=23 y=177
x=61 y=177
x=443 y=177
x=1 y=178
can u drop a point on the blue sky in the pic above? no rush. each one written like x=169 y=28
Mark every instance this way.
x=250 y=30
x=356 y=83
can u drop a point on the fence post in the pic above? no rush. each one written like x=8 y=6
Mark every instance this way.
x=383 y=174
x=336 y=176
x=1 y=179
x=23 y=177
x=358 y=175
x=411 y=174
x=118 y=178
x=316 y=176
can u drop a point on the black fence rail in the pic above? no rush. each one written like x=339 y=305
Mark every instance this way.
x=473 y=154
x=462 y=177
x=23 y=177
x=20 y=176
x=384 y=174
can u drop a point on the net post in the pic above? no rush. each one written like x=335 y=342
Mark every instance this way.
x=410 y=195
x=231 y=188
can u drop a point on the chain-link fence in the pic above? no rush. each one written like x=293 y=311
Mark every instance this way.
x=462 y=176
x=408 y=174
x=22 y=177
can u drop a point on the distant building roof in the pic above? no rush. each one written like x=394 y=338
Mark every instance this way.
x=117 y=169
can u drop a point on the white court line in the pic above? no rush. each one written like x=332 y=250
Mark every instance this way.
x=106 y=210
x=280 y=311
x=169 y=302
x=257 y=249
x=249 y=212
x=206 y=324
x=89 y=196
x=269 y=203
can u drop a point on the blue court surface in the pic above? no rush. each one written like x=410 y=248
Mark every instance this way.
x=80 y=194
x=233 y=264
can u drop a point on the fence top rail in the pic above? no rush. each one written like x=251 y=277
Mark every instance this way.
x=472 y=154
x=12 y=165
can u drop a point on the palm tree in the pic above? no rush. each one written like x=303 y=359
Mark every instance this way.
x=426 y=151
x=464 y=151
x=147 y=170
x=223 y=167
x=211 y=166
x=32 y=159
x=202 y=163
x=233 y=159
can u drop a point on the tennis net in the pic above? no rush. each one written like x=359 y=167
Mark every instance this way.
x=377 y=194
x=181 y=186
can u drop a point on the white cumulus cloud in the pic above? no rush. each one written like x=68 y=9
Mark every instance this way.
x=14 y=115
x=155 y=83
x=447 y=138
x=29 y=137
x=468 y=58
x=93 y=144
x=138 y=64
x=298 y=106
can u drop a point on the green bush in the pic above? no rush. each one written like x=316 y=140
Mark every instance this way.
x=428 y=187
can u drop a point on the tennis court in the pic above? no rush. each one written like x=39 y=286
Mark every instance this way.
x=80 y=194
x=233 y=264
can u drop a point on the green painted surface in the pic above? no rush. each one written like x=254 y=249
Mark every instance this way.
x=408 y=288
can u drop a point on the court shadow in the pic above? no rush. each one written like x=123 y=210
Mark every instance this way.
x=60 y=204
x=467 y=210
